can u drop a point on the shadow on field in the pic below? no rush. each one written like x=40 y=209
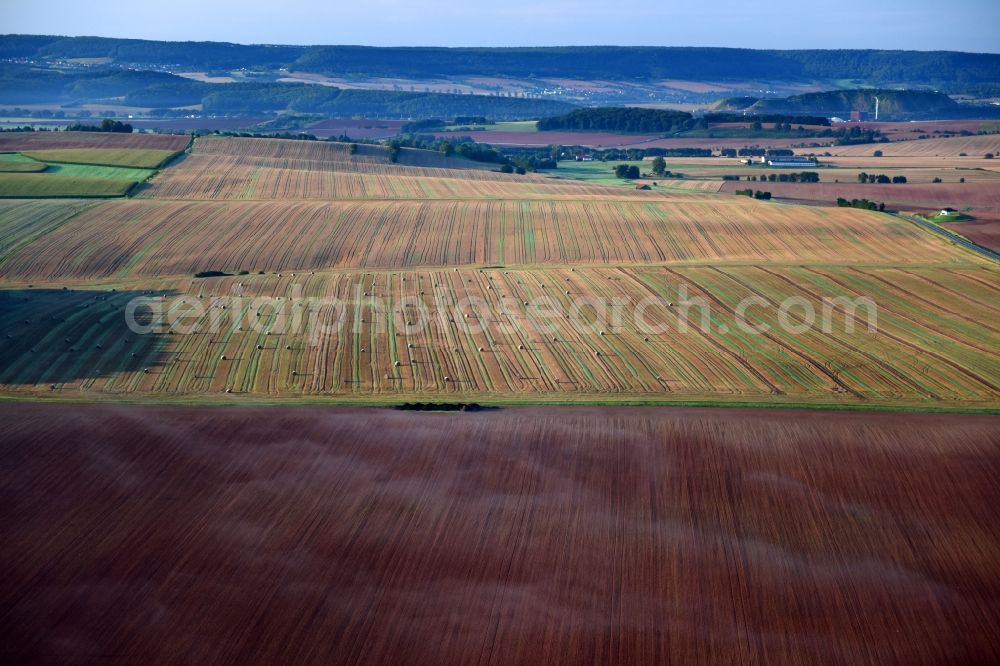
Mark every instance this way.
x=63 y=336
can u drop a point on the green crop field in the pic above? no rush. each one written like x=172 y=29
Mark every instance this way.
x=502 y=126
x=44 y=180
x=97 y=171
x=46 y=185
x=145 y=158
x=596 y=172
x=18 y=163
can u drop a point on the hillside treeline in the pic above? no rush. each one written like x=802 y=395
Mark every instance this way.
x=609 y=62
x=22 y=84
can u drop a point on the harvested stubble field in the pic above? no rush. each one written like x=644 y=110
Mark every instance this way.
x=545 y=534
x=974 y=147
x=29 y=141
x=446 y=334
x=536 y=535
x=981 y=198
x=158 y=238
x=423 y=243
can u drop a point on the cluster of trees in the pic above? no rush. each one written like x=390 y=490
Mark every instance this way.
x=860 y=203
x=619 y=119
x=518 y=161
x=755 y=194
x=791 y=177
x=785 y=120
x=628 y=171
x=108 y=125
x=459 y=146
x=854 y=135
x=664 y=121
x=881 y=178
x=755 y=151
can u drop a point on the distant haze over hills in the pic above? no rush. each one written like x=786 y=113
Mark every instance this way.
x=928 y=68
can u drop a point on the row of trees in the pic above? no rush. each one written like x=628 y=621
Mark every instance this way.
x=881 y=178
x=755 y=194
x=864 y=204
x=108 y=125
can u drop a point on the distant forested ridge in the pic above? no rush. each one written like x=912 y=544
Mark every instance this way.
x=26 y=84
x=586 y=62
x=199 y=55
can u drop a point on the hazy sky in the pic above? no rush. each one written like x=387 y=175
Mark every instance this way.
x=962 y=25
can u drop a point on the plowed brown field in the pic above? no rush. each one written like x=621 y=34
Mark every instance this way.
x=541 y=535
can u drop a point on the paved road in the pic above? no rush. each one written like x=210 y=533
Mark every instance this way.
x=951 y=236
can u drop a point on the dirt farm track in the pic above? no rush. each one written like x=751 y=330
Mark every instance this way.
x=523 y=535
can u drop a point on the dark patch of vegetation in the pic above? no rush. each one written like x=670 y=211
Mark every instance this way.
x=755 y=194
x=864 y=204
x=108 y=125
x=881 y=179
x=619 y=119
x=443 y=407
x=794 y=177
x=627 y=171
